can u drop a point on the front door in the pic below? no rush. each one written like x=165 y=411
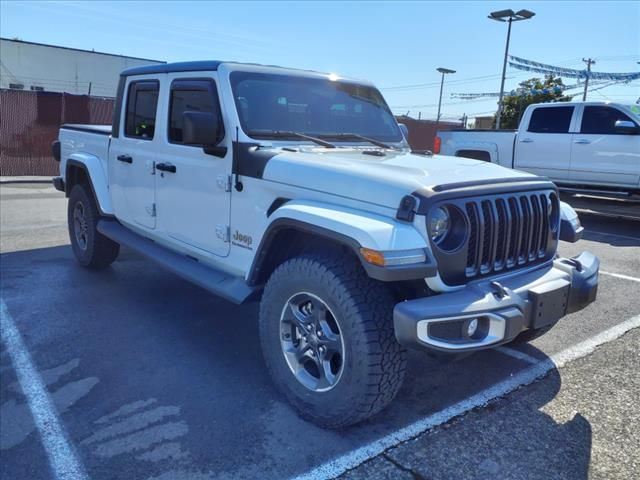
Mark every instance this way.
x=131 y=155
x=602 y=154
x=545 y=148
x=193 y=188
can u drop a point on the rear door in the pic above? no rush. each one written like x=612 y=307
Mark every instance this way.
x=602 y=155
x=194 y=200
x=545 y=147
x=132 y=154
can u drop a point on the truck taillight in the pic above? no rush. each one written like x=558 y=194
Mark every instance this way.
x=437 y=143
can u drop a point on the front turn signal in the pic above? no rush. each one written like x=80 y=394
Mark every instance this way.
x=372 y=256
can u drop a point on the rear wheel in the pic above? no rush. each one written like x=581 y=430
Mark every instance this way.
x=91 y=248
x=327 y=337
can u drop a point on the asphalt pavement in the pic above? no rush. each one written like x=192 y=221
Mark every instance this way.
x=151 y=377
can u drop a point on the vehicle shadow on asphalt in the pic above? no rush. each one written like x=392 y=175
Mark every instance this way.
x=147 y=334
x=512 y=438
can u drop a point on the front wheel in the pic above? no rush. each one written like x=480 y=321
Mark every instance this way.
x=91 y=248
x=327 y=337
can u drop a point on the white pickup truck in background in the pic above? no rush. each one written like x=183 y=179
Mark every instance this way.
x=581 y=146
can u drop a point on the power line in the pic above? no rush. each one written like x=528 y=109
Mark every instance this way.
x=437 y=84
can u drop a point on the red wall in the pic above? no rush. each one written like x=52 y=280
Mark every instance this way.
x=422 y=132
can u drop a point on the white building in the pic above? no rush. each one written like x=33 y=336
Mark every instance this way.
x=36 y=66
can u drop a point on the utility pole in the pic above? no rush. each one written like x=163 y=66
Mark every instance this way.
x=589 y=62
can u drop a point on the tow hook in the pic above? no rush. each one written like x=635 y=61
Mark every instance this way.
x=573 y=262
x=500 y=291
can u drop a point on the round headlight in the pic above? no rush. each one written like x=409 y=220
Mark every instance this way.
x=439 y=224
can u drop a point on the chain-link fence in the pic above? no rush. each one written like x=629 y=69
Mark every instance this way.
x=29 y=123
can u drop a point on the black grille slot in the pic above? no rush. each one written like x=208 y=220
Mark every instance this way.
x=502 y=237
x=485 y=264
x=526 y=230
x=507 y=231
x=536 y=226
x=472 y=254
x=545 y=203
x=516 y=232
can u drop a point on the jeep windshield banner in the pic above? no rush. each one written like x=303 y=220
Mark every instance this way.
x=269 y=105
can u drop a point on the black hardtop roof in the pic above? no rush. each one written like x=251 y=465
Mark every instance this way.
x=197 y=66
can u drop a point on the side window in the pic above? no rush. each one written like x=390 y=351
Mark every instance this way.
x=551 y=120
x=601 y=120
x=142 y=101
x=191 y=95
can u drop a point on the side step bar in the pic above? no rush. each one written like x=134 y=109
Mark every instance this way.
x=231 y=288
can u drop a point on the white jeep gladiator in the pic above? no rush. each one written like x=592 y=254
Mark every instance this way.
x=298 y=189
x=584 y=147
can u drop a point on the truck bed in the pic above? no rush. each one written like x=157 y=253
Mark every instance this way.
x=84 y=140
x=498 y=144
x=80 y=127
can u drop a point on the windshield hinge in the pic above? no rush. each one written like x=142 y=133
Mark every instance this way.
x=151 y=209
x=223 y=232
x=224 y=182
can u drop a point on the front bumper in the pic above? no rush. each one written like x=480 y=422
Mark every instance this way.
x=502 y=309
x=58 y=183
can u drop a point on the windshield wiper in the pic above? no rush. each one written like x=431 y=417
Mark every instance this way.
x=284 y=134
x=355 y=136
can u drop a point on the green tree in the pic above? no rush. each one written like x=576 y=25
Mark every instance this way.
x=530 y=91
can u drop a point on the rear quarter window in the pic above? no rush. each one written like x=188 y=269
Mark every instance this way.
x=551 y=120
x=142 y=103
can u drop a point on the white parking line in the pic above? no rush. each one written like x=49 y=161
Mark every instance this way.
x=518 y=354
x=62 y=458
x=354 y=458
x=619 y=275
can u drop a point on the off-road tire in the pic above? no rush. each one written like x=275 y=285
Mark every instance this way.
x=374 y=362
x=531 y=334
x=98 y=251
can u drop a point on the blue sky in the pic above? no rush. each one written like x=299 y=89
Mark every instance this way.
x=391 y=43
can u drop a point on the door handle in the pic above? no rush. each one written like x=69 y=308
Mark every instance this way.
x=526 y=140
x=582 y=141
x=125 y=158
x=166 y=167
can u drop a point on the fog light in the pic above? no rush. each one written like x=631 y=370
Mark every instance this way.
x=472 y=327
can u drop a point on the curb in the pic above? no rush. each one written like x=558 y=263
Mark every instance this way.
x=8 y=181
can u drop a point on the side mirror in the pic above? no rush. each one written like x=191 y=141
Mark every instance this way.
x=200 y=128
x=628 y=127
x=405 y=131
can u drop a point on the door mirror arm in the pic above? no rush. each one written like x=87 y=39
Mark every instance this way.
x=627 y=127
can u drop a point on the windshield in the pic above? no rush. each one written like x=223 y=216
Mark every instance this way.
x=635 y=111
x=269 y=105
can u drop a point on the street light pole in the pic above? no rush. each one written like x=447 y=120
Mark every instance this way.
x=443 y=71
x=507 y=16
x=504 y=74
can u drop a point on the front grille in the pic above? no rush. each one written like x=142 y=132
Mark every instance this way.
x=508 y=231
